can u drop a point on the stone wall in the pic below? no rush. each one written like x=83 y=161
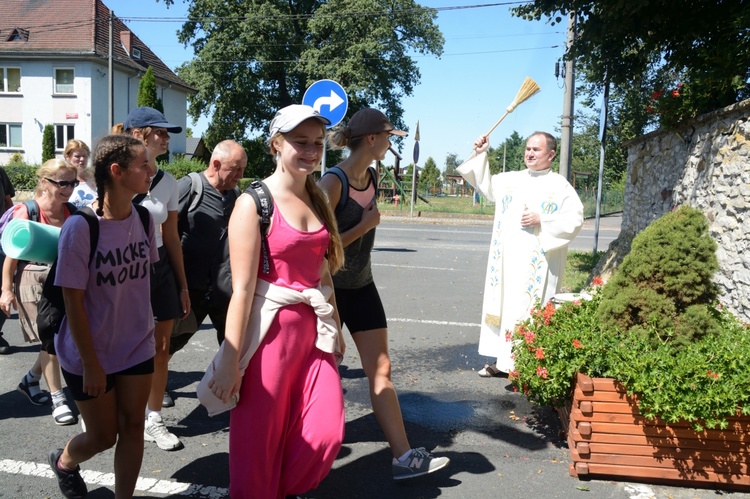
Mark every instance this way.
x=704 y=164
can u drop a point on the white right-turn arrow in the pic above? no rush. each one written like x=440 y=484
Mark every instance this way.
x=333 y=101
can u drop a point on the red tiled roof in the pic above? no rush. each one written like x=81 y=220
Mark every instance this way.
x=73 y=27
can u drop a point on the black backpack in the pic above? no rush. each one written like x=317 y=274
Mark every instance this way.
x=51 y=305
x=221 y=272
x=335 y=170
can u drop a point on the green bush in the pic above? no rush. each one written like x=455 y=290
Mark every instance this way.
x=664 y=289
x=16 y=159
x=22 y=176
x=181 y=166
x=703 y=382
x=654 y=327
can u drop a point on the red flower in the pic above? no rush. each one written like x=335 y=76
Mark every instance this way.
x=597 y=281
x=539 y=353
x=675 y=93
x=657 y=94
x=577 y=303
x=541 y=372
x=508 y=336
x=577 y=344
x=529 y=336
x=649 y=109
x=549 y=311
x=712 y=374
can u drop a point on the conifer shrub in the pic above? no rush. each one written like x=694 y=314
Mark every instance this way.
x=663 y=290
x=48 y=143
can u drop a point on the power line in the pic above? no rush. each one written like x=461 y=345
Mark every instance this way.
x=274 y=17
x=341 y=59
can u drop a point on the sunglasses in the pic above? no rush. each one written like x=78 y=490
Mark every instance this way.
x=63 y=183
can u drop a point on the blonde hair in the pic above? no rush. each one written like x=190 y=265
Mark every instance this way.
x=74 y=144
x=49 y=169
x=322 y=208
x=340 y=137
x=119 y=129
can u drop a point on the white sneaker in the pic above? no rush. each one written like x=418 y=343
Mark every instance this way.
x=156 y=431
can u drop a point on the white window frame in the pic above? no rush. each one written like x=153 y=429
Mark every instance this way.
x=136 y=53
x=56 y=91
x=63 y=133
x=4 y=81
x=7 y=126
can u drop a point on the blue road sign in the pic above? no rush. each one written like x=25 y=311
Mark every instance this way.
x=329 y=99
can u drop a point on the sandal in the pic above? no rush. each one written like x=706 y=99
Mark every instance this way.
x=41 y=398
x=491 y=371
x=63 y=415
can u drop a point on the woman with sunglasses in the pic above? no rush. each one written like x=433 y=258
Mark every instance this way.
x=169 y=290
x=23 y=282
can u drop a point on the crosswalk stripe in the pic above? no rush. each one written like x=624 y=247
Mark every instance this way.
x=151 y=485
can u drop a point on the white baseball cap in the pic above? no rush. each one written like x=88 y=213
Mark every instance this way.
x=289 y=117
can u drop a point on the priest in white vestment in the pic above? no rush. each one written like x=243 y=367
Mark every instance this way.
x=537 y=214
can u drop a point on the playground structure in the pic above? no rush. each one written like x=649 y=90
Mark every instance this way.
x=394 y=186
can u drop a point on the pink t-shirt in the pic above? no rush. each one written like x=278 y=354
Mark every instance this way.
x=117 y=284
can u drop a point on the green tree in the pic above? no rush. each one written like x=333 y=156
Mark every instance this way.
x=147 y=98
x=252 y=58
x=512 y=148
x=48 y=143
x=451 y=163
x=147 y=91
x=692 y=58
x=429 y=177
x=188 y=132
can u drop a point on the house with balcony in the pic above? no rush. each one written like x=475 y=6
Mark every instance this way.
x=55 y=69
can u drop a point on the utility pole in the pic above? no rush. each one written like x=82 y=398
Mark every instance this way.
x=566 y=141
x=110 y=73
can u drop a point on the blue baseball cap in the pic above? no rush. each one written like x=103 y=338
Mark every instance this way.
x=141 y=117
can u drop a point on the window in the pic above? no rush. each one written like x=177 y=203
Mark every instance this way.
x=10 y=79
x=63 y=133
x=136 y=53
x=64 y=81
x=18 y=35
x=10 y=135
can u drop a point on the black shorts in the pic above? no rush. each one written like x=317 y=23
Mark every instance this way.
x=361 y=309
x=75 y=382
x=165 y=297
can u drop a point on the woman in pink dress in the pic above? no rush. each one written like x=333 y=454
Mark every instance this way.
x=288 y=425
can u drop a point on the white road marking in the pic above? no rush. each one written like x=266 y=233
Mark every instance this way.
x=439 y=323
x=640 y=491
x=413 y=267
x=152 y=485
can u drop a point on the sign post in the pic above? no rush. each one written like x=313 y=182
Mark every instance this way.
x=329 y=99
x=415 y=156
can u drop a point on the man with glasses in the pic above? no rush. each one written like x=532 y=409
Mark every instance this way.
x=206 y=202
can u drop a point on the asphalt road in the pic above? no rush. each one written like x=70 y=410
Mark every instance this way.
x=430 y=277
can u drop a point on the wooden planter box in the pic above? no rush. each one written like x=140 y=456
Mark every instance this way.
x=609 y=438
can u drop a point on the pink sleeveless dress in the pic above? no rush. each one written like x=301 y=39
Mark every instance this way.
x=287 y=429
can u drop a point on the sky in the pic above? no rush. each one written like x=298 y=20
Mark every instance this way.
x=486 y=57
